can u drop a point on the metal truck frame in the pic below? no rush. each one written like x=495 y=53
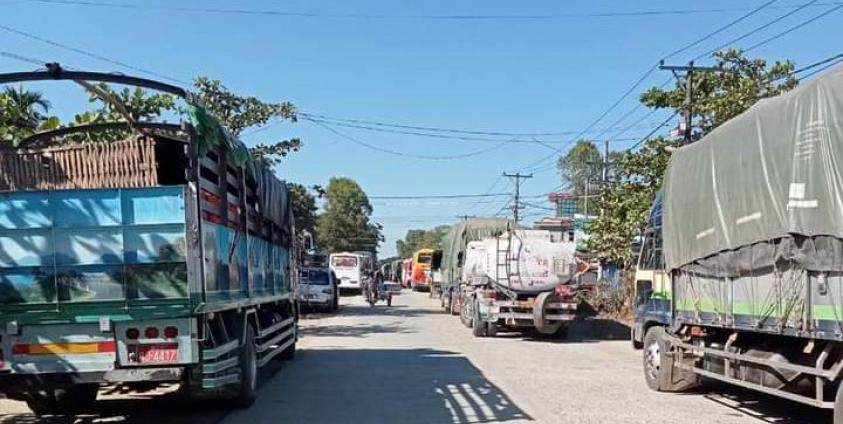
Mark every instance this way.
x=231 y=308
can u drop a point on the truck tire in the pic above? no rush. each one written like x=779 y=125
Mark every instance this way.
x=542 y=325
x=478 y=327
x=659 y=370
x=68 y=401
x=248 y=387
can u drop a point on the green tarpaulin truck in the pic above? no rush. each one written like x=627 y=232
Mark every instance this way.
x=740 y=277
x=164 y=257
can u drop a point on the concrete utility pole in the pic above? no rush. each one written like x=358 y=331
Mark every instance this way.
x=518 y=177
x=688 y=107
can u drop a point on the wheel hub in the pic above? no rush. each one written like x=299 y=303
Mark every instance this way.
x=653 y=359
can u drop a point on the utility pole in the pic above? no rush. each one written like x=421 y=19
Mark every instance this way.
x=518 y=177
x=688 y=106
x=605 y=176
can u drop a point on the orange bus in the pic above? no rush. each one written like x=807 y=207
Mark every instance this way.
x=421 y=265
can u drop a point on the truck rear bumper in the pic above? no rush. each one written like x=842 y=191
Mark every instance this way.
x=18 y=383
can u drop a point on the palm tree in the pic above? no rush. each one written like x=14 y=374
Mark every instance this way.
x=25 y=108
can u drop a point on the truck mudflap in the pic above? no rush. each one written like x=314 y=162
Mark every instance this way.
x=731 y=372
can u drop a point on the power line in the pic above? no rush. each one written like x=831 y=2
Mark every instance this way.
x=371 y=16
x=408 y=155
x=88 y=54
x=794 y=28
x=22 y=58
x=756 y=30
x=652 y=69
x=437 y=196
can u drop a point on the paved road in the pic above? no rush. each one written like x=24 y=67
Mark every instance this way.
x=411 y=364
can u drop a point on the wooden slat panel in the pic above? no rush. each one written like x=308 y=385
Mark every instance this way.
x=128 y=163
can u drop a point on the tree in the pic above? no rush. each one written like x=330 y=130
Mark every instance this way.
x=345 y=225
x=23 y=112
x=625 y=202
x=304 y=208
x=417 y=239
x=578 y=166
x=238 y=113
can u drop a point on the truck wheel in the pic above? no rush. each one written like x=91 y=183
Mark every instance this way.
x=248 y=371
x=542 y=325
x=478 y=327
x=68 y=401
x=659 y=370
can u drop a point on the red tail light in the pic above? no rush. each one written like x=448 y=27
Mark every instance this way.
x=171 y=332
x=151 y=333
x=490 y=294
x=2 y=360
x=563 y=291
x=132 y=333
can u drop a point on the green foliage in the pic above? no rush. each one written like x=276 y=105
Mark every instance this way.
x=22 y=113
x=720 y=96
x=345 y=224
x=581 y=163
x=238 y=113
x=419 y=239
x=304 y=207
x=624 y=204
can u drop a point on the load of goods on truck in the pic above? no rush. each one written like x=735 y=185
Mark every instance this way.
x=164 y=256
x=740 y=273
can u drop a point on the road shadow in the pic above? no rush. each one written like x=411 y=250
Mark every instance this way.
x=381 y=386
x=590 y=330
x=358 y=330
x=168 y=406
x=381 y=309
x=763 y=407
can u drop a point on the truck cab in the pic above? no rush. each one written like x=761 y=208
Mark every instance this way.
x=652 y=283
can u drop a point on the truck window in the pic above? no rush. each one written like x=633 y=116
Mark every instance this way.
x=652 y=255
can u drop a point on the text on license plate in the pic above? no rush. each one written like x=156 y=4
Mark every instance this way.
x=156 y=353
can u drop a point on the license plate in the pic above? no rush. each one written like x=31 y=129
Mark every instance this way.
x=157 y=353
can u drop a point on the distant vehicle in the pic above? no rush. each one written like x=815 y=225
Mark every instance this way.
x=434 y=273
x=407 y=273
x=318 y=289
x=349 y=270
x=422 y=259
x=522 y=280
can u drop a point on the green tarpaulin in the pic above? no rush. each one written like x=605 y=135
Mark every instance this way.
x=772 y=175
x=456 y=240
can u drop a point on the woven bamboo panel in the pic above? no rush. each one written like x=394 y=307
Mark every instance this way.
x=128 y=163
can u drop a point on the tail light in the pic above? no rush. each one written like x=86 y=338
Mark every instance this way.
x=563 y=291
x=151 y=333
x=171 y=332
x=490 y=294
x=2 y=360
x=132 y=333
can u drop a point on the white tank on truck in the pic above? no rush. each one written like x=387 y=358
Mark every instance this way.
x=520 y=280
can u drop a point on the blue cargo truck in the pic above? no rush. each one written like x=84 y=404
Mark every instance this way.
x=167 y=256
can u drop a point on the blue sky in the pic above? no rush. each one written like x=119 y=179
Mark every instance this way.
x=512 y=75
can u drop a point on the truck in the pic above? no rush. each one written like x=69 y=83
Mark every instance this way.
x=454 y=246
x=739 y=274
x=521 y=280
x=166 y=256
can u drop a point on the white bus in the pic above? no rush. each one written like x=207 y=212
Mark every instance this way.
x=349 y=269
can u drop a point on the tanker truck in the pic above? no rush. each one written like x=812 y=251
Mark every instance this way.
x=521 y=280
x=740 y=277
